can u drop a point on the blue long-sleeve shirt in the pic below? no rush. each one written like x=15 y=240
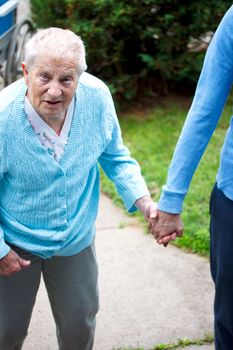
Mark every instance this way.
x=49 y=208
x=210 y=97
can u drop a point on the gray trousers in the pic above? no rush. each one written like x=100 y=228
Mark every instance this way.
x=71 y=284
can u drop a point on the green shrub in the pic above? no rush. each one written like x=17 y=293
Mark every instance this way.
x=138 y=47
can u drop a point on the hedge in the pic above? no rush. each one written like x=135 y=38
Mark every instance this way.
x=139 y=47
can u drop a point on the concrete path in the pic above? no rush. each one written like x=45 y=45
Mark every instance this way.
x=148 y=294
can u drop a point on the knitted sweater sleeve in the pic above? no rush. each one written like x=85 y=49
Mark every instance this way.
x=4 y=248
x=116 y=161
x=211 y=94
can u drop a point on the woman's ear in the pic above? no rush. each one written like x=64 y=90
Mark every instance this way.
x=25 y=72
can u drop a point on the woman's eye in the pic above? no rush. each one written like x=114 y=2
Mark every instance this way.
x=67 y=81
x=44 y=77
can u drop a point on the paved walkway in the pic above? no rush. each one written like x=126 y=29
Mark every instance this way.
x=148 y=294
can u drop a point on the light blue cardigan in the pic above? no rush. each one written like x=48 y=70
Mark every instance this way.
x=211 y=94
x=50 y=208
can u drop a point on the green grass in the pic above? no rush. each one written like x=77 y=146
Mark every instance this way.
x=183 y=343
x=180 y=344
x=151 y=138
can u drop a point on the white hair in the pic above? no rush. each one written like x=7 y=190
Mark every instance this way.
x=57 y=43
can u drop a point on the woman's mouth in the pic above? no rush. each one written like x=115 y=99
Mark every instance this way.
x=53 y=102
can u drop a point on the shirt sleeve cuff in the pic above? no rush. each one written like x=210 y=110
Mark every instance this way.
x=171 y=202
x=4 y=249
x=129 y=197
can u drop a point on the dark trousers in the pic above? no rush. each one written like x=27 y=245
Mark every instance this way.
x=221 y=262
x=71 y=284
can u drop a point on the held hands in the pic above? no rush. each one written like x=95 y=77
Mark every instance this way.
x=164 y=226
x=12 y=263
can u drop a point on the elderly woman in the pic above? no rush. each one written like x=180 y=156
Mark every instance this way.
x=56 y=124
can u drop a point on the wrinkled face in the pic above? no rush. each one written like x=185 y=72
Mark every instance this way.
x=51 y=85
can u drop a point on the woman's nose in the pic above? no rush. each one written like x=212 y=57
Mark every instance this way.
x=54 y=90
